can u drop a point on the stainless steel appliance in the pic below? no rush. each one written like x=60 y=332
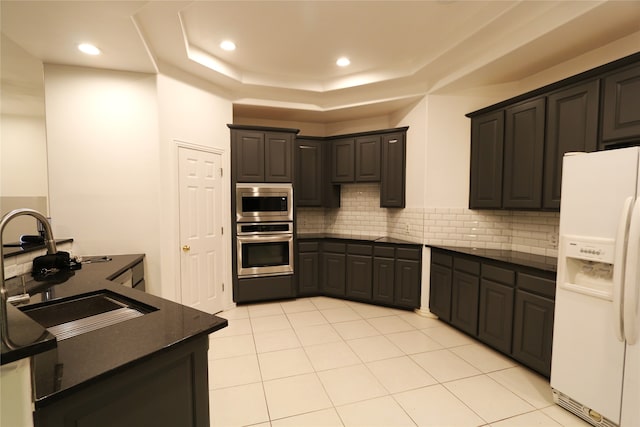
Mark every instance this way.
x=265 y=249
x=264 y=202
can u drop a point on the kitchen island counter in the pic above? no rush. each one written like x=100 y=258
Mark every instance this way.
x=78 y=362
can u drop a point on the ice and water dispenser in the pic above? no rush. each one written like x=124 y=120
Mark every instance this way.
x=588 y=266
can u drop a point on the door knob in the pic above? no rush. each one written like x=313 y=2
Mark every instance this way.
x=186 y=248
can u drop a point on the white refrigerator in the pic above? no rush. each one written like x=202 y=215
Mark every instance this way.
x=595 y=368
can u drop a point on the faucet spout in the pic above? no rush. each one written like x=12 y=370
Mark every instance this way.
x=51 y=249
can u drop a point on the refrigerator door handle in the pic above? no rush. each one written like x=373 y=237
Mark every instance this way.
x=630 y=297
x=619 y=268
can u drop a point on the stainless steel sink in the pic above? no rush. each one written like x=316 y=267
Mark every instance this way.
x=85 y=313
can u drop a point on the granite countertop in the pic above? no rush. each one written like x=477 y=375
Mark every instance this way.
x=74 y=362
x=366 y=238
x=540 y=262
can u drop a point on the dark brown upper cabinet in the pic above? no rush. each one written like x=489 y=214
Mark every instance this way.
x=572 y=125
x=262 y=154
x=524 y=155
x=393 y=172
x=621 y=106
x=313 y=185
x=356 y=159
x=343 y=155
x=518 y=145
x=367 y=158
x=487 y=146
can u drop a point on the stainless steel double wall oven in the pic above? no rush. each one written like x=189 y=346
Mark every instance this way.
x=264 y=221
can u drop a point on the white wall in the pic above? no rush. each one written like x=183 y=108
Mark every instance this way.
x=194 y=114
x=104 y=162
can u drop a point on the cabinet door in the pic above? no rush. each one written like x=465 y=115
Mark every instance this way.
x=278 y=157
x=343 y=160
x=359 y=281
x=308 y=173
x=465 y=292
x=440 y=291
x=487 y=146
x=621 y=106
x=383 y=280
x=407 y=285
x=496 y=315
x=523 y=155
x=334 y=274
x=367 y=158
x=572 y=125
x=308 y=277
x=248 y=147
x=533 y=331
x=393 y=173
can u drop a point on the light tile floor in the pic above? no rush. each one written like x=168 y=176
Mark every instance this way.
x=328 y=362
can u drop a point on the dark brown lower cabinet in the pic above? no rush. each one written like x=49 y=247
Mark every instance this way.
x=388 y=274
x=464 y=301
x=496 y=315
x=334 y=269
x=308 y=268
x=168 y=389
x=264 y=288
x=465 y=292
x=359 y=271
x=533 y=331
x=383 y=279
x=506 y=306
x=407 y=284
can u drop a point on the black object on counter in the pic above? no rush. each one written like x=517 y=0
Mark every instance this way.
x=31 y=239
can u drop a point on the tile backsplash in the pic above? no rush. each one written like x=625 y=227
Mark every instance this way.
x=360 y=214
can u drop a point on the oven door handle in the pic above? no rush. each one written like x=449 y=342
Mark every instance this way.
x=267 y=238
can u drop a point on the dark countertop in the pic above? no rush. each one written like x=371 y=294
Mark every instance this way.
x=15 y=249
x=86 y=358
x=371 y=238
x=540 y=262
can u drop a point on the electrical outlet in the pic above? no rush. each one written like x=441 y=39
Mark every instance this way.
x=406 y=229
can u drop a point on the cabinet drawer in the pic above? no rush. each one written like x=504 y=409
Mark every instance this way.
x=384 y=251
x=408 y=253
x=359 y=249
x=336 y=247
x=499 y=275
x=441 y=259
x=468 y=266
x=537 y=285
x=308 y=246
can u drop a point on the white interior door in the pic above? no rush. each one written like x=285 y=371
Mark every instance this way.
x=202 y=255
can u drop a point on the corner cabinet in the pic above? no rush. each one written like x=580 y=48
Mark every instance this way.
x=262 y=154
x=313 y=184
x=506 y=306
x=386 y=274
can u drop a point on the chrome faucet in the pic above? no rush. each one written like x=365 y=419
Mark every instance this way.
x=51 y=249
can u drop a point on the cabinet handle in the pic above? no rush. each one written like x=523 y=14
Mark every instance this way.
x=393 y=141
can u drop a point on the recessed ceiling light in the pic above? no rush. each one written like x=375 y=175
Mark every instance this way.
x=89 y=49
x=343 y=62
x=228 y=45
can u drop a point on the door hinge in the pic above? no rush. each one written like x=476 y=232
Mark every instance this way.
x=221 y=172
x=222 y=286
x=222 y=230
